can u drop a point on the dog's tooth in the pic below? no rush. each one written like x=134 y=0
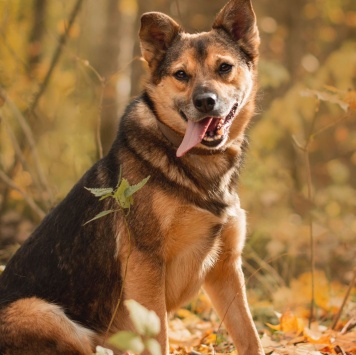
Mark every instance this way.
x=220 y=131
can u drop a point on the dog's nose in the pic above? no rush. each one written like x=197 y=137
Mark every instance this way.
x=205 y=103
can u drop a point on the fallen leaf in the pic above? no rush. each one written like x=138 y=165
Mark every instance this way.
x=289 y=324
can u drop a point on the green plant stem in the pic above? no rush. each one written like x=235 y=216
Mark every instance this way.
x=99 y=145
x=123 y=281
x=311 y=198
x=311 y=234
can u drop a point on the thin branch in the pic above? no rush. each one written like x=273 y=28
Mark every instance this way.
x=260 y=278
x=14 y=142
x=26 y=197
x=311 y=235
x=123 y=280
x=62 y=41
x=178 y=10
x=103 y=83
x=99 y=144
x=349 y=325
x=31 y=110
x=265 y=265
x=306 y=155
x=348 y=292
x=21 y=158
x=332 y=124
x=38 y=26
x=30 y=139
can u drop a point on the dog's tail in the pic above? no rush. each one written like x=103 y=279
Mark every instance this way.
x=33 y=326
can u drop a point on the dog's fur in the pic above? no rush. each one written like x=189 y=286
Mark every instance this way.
x=58 y=293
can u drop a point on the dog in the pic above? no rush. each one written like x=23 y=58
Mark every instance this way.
x=185 y=230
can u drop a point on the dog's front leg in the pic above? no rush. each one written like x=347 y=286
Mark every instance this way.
x=226 y=287
x=145 y=283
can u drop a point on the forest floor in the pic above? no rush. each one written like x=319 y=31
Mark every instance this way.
x=189 y=334
x=197 y=330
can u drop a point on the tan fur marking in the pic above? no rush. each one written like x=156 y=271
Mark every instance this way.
x=188 y=253
x=42 y=322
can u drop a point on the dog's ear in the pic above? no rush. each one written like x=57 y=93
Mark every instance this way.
x=238 y=19
x=157 y=32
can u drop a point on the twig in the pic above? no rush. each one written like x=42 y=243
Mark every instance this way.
x=306 y=151
x=270 y=287
x=178 y=10
x=14 y=141
x=265 y=265
x=123 y=282
x=26 y=197
x=332 y=124
x=348 y=326
x=99 y=144
x=311 y=234
x=62 y=41
x=31 y=141
x=338 y=350
x=103 y=82
x=351 y=285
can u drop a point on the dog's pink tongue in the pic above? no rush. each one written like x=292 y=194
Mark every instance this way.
x=193 y=135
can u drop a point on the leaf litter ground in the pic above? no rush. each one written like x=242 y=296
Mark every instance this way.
x=197 y=330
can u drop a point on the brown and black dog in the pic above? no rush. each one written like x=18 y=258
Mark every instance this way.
x=58 y=293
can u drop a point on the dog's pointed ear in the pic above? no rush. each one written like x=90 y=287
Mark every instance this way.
x=157 y=32
x=238 y=19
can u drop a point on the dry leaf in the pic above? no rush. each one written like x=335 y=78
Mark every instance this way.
x=289 y=324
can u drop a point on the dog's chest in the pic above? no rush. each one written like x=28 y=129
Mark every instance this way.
x=191 y=246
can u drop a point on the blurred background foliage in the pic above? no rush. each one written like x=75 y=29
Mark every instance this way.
x=68 y=68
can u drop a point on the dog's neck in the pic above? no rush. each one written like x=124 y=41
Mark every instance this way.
x=174 y=137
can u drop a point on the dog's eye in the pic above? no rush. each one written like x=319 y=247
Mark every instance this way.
x=181 y=75
x=225 y=68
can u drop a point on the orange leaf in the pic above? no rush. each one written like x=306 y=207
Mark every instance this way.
x=289 y=324
x=350 y=99
x=316 y=337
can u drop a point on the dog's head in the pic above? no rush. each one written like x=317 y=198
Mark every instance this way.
x=203 y=85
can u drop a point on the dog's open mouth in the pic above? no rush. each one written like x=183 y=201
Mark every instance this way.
x=209 y=131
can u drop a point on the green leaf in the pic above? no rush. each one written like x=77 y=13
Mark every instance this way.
x=119 y=194
x=99 y=215
x=105 y=196
x=152 y=345
x=98 y=192
x=134 y=188
x=145 y=322
x=127 y=340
